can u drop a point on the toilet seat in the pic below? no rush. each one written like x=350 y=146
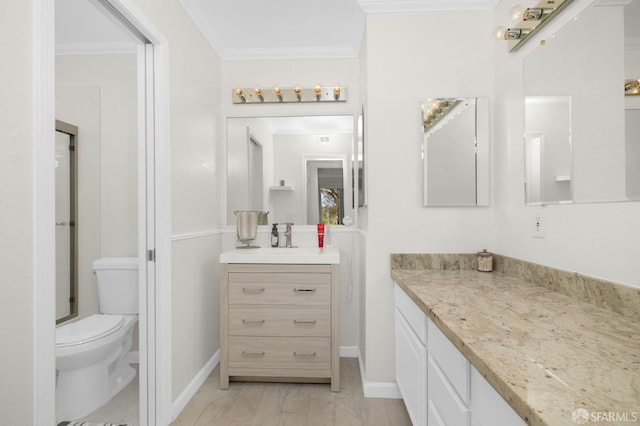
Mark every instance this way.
x=87 y=329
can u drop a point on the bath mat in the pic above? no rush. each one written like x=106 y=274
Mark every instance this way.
x=74 y=423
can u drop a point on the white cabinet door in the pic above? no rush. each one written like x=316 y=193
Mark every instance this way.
x=411 y=371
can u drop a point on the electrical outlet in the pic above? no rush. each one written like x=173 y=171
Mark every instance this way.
x=538 y=230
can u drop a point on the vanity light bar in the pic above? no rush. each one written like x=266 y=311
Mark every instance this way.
x=533 y=19
x=296 y=94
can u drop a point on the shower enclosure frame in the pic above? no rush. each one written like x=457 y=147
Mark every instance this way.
x=72 y=132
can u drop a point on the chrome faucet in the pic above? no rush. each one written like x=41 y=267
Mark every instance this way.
x=287 y=234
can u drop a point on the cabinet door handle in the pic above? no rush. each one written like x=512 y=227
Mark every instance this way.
x=304 y=354
x=248 y=322
x=304 y=321
x=252 y=354
x=304 y=290
x=253 y=290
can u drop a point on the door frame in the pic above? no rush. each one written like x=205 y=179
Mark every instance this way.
x=154 y=215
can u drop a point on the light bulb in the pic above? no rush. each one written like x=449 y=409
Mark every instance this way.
x=498 y=33
x=516 y=13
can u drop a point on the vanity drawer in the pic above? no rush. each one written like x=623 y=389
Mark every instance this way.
x=280 y=288
x=453 y=364
x=259 y=320
x=293 y=353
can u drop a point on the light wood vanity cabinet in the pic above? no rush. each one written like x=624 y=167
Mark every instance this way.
x=279 y=322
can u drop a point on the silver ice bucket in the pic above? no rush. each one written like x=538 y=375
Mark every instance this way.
x=247 y=222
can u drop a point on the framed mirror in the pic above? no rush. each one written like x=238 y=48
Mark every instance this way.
x=582 y=114
x=455 y=152
x=299 y=169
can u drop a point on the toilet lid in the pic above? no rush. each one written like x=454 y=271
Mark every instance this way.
x=87 y=329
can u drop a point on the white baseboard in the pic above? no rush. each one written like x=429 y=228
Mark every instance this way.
x=192 y=388
x=349 y=351
x=388 y=390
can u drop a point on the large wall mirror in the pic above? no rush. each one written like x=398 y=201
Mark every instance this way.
x=582 y=109
x=455 y=152
x=299 y=169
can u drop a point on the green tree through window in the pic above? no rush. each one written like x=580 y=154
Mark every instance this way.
x=330 y=205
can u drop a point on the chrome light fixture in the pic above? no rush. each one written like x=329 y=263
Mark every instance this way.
x=317 y=93
x=530 y=21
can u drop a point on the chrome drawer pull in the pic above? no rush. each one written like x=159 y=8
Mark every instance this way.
x=252 y=290
x=304 y=321
x=304 y=290
x=248 y=322
x=305 y=355
x=253 y=354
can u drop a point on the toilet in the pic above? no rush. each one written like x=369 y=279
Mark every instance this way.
x=92 y=362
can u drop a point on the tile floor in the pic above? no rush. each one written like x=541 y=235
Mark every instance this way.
x=270 y=404
x=275 y=404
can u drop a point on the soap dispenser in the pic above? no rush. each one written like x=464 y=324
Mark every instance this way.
x=274 y=236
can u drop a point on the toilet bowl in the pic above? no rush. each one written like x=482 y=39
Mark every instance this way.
x=92 y=353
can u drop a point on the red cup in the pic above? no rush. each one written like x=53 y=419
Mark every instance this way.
x=321 y=235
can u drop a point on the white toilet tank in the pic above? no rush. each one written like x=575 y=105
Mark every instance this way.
x=117 y=284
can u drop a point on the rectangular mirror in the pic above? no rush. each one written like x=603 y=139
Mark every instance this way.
x=296 y=168
x=455 y=152
x=582 y=137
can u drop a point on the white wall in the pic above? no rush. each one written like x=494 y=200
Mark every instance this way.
x=98 y=94
x=16 y=214
x=195 y=131
x=409 y=59
x=594 y=239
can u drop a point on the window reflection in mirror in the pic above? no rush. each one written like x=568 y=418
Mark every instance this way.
x=582 y=140
x=296 y=168
x=455 y=152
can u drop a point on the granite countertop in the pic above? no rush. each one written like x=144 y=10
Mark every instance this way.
x=547 y=354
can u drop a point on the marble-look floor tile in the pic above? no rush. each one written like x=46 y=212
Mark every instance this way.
x=292 y=404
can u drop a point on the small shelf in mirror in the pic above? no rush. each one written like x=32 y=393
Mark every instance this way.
x=563 y=178
x=281 y=188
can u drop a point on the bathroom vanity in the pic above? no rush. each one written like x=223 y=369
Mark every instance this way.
x=476 y=348
x=279 y=315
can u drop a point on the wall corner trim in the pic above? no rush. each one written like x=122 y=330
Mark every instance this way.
x=388 y=390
